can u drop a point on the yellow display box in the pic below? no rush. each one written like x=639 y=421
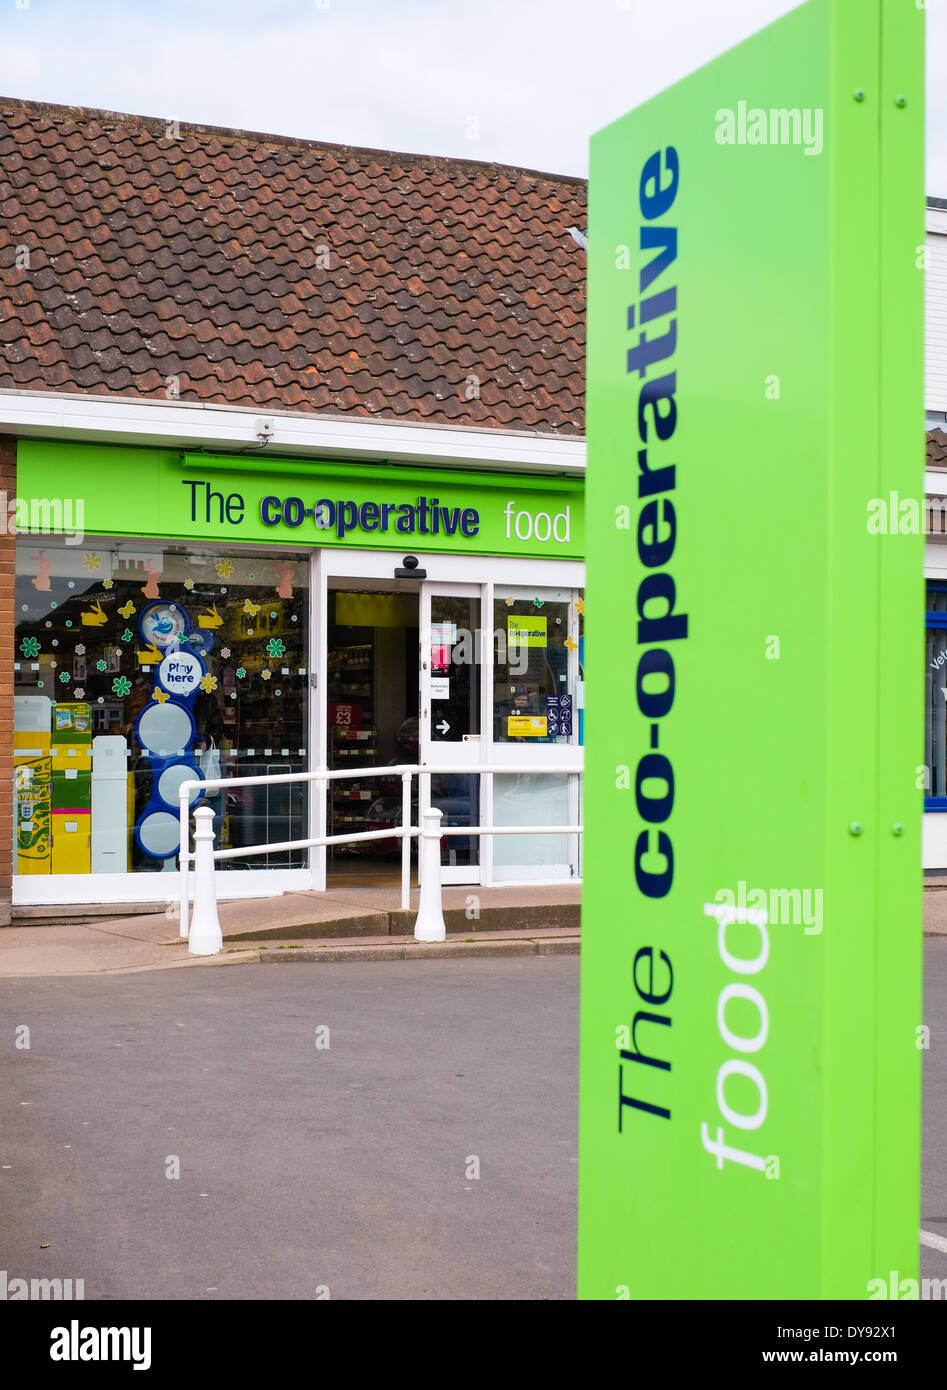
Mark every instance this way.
x=72 y=842
x=32 y=778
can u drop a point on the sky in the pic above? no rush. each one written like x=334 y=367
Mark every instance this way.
x=522 y=82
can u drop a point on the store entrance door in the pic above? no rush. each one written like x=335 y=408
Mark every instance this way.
x=450 y=717
x=371 y=694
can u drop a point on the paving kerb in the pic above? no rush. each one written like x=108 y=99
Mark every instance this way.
x=935 y=912
x=364 y=912
x=31 y=915
x=77 y=962
x=422 y=950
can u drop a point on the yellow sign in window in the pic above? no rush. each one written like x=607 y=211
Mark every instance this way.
x=526 y=726
x=525 y=632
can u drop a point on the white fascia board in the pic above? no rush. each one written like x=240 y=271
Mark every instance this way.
x=935 y=484
x=936 y=220
x=192 y=425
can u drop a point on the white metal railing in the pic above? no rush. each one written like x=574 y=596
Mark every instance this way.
x=204 y=934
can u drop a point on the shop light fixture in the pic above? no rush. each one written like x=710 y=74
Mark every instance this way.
x=408 y=569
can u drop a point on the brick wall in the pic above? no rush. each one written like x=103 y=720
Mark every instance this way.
x=7 y=606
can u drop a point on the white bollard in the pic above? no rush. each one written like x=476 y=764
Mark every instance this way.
x=430 y=923
x=205 y=937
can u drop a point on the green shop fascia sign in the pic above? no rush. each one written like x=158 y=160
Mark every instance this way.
x=170 y=495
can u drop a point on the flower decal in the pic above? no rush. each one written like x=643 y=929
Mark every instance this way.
x=189 y=584
x=274 y=647
x=30 y=646
x=80 y=649
x=208 y=683
x=79 y=692
x=265 y=674
x=240 y=673
x=224 y=569
x=92 y=562
x=509 y=603
x=65 y=677
x=122 y=686
x=225 y=652
x=106 y=583
x=580 y=605
x=101 y=665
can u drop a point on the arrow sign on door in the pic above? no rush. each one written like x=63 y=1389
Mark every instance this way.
x=442 y=727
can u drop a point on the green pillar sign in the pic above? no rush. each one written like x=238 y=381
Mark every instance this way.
x=751 y=1002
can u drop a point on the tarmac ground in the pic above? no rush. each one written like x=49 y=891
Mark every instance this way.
x=380 y=1131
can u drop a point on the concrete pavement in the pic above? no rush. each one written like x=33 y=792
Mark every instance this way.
x=348 y=924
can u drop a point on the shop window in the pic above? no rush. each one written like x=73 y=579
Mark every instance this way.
x=538 y=699
x=536 y=666
x=935 y=702
x=137 y=667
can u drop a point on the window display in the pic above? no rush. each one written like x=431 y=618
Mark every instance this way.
x=535 y=673
x=935 y=713
x=136 y=669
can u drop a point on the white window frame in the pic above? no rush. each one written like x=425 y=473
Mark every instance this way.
x=367 y=567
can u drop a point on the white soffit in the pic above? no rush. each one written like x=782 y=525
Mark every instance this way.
x=192 y=425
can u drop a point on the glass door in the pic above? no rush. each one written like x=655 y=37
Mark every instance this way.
x=450 y=718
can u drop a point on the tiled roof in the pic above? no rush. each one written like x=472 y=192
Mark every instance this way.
x=253 y=270
x=936 y=449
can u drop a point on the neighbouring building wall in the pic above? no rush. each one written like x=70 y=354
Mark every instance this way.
x=935 y=315
x=934 y=840
x=7 y=583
